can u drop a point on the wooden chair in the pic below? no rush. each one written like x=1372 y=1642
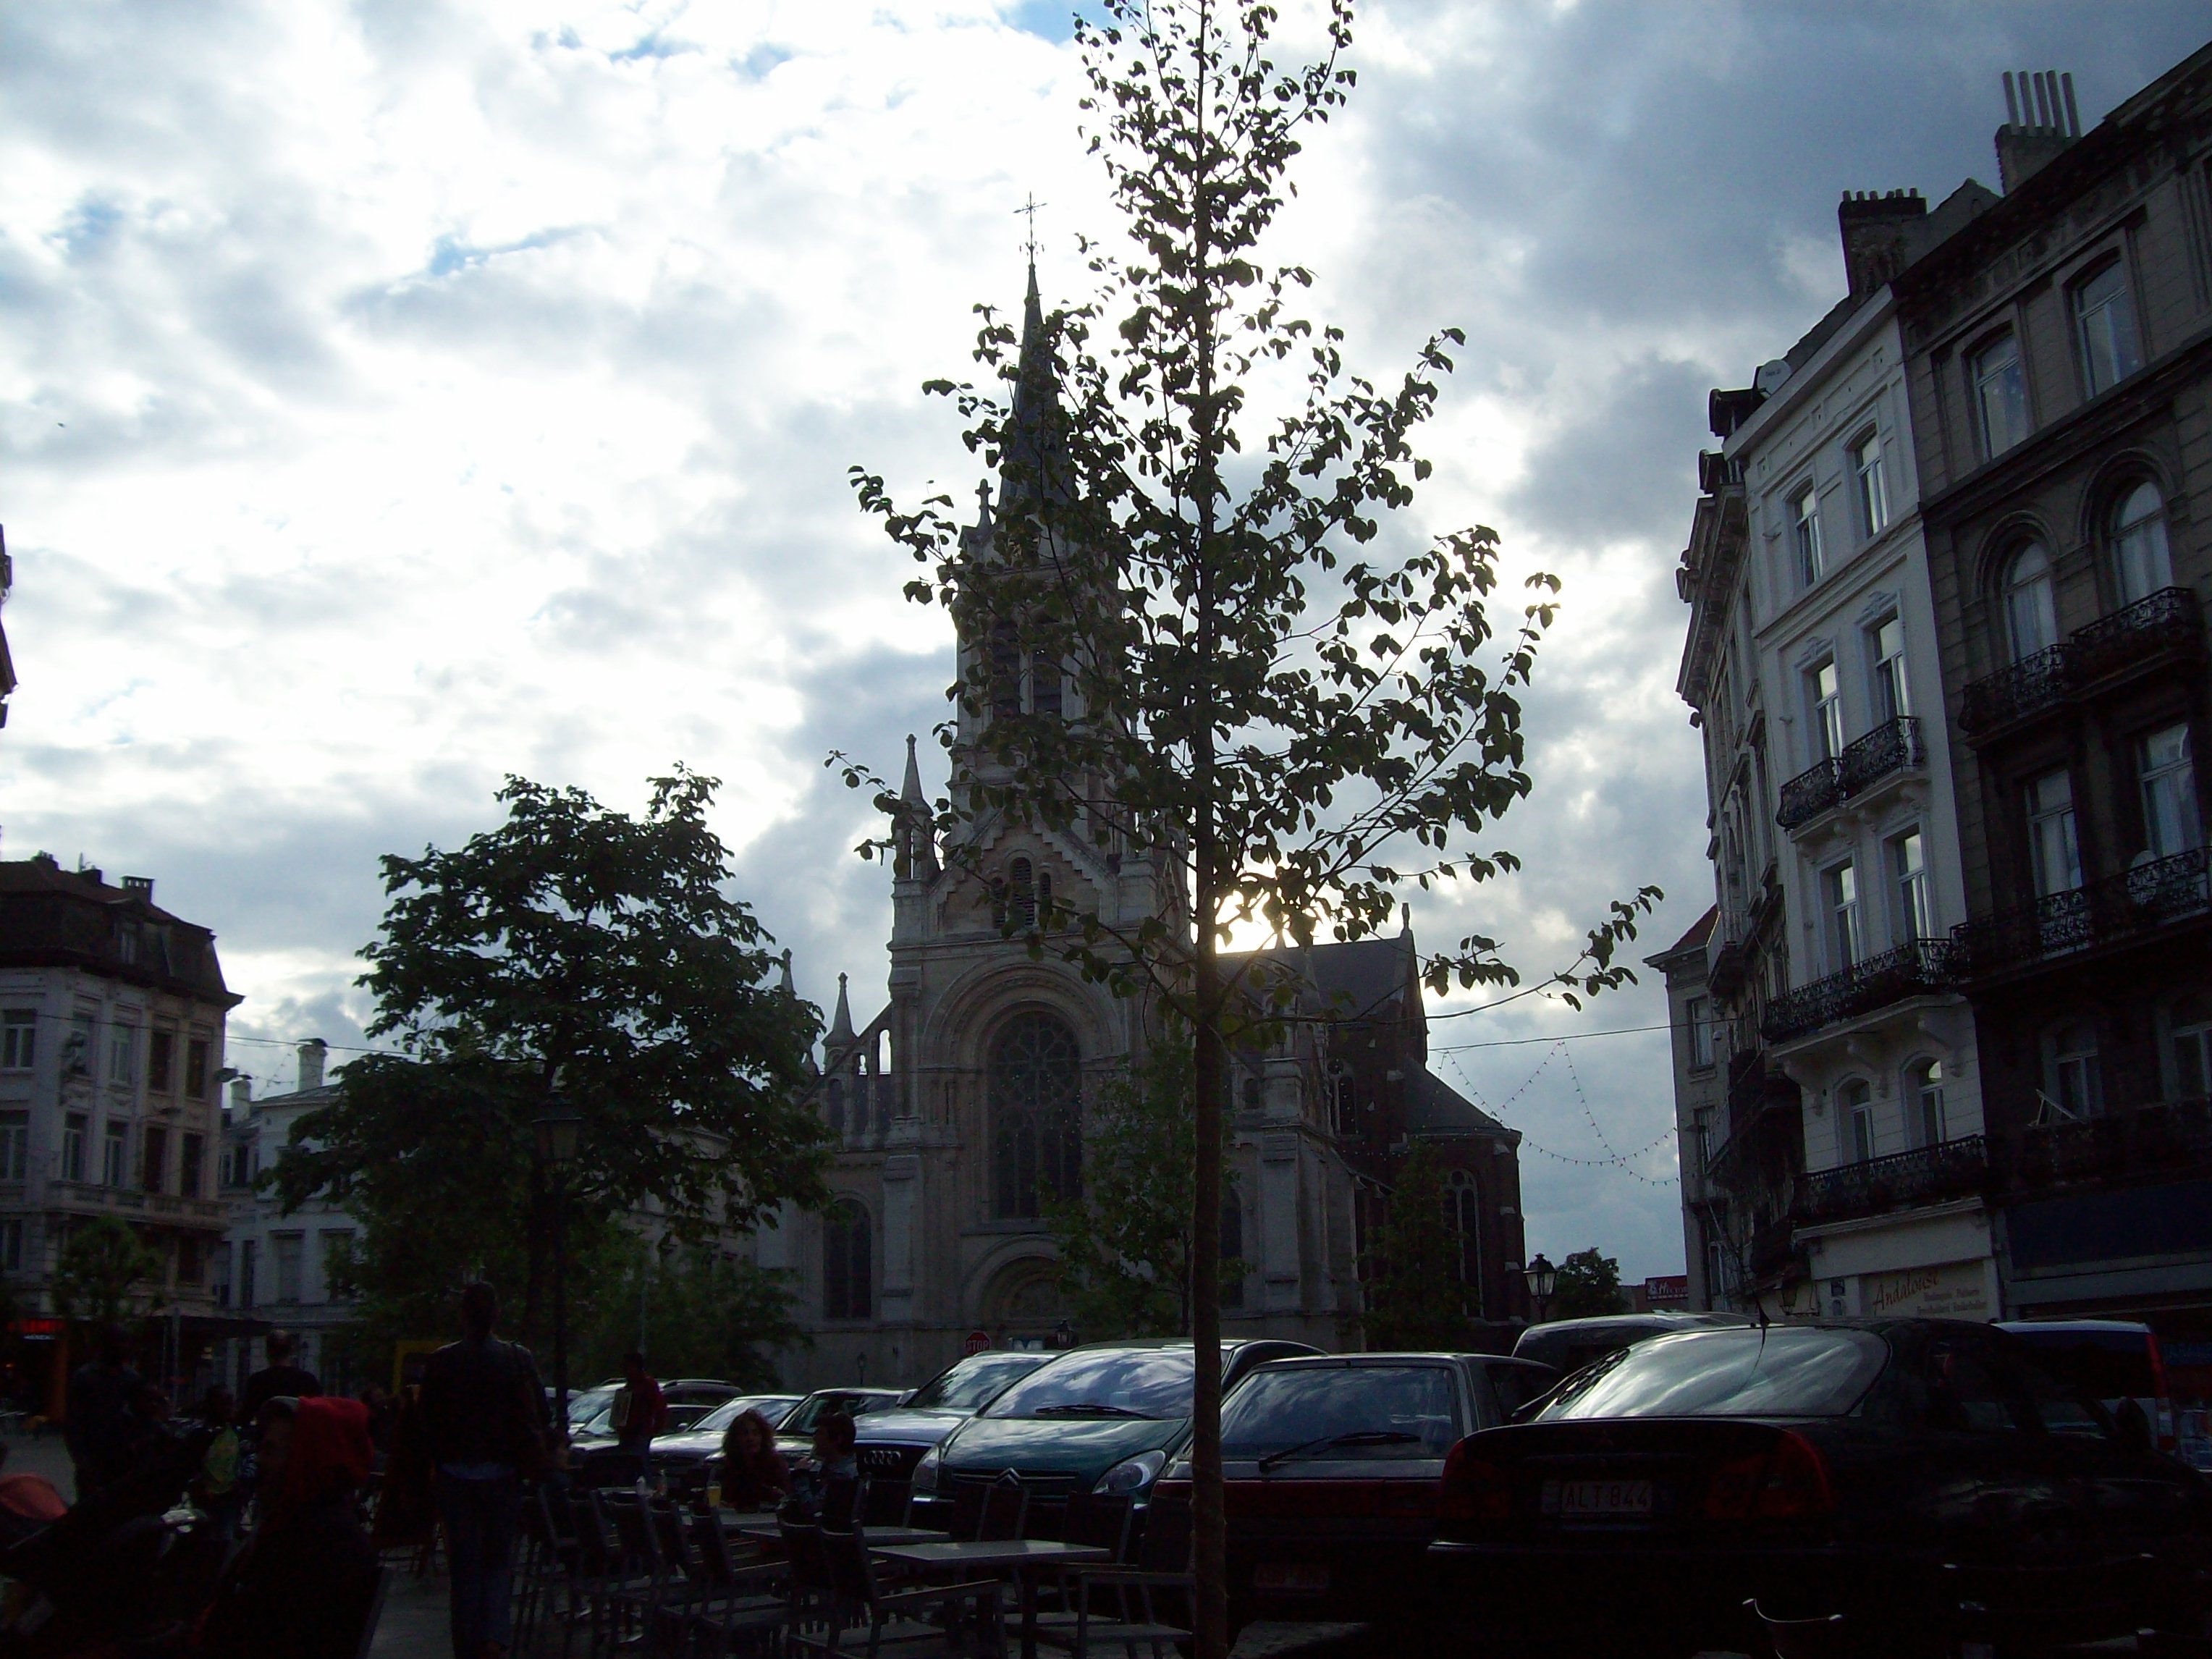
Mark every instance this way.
x=858 y=1599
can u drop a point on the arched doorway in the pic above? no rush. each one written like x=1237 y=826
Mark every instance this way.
x=1024 y=1308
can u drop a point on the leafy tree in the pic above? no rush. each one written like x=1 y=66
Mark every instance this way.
x=703 y=1315
x=1254 y=690
x=1416 y=1299
x=99 y=1267
x=1125 y=1243
x=578 y=949
x=1587 y=1285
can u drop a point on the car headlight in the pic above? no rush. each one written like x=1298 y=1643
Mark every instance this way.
x=1132 y=1475
x=926 y=1472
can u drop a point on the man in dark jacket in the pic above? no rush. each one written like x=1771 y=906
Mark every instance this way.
x=280 y=1379
x=99 y=1428
x=485 y=1413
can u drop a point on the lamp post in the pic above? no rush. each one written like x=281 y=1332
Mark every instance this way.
x=1543 y=1279
x=560 y=1126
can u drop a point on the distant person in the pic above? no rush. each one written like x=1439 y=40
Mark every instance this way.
x=485 y=1412
x=640 y=1411
x=280 y=1378
x=216 y=1489
x=828 y=1487
x=98 y=1430
x=753 y=1475
x=300 y=1589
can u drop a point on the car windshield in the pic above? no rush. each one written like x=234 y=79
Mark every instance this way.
x=975 y=1381
x=583 y=1408
x=802 y=1421
x=1781 y=1371
x=1343 y=1411
x=1107 y=1383
x=729 y=1411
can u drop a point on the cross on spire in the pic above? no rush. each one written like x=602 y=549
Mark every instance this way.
x=1029 y=210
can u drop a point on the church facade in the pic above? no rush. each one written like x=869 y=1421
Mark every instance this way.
x=960 y=1107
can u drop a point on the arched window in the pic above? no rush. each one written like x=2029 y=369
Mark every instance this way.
x=1463 y=1213
x=1045 y=697
x=1855 y=1121
x=1036 y=1143
x=1251 y=1092
x=835 y=1092
x=2189 y=1023
x=2140 y=560
x=848 y=1262
x=2031 y=619
x=1232 y=1251
x=1344 y=1101
x=1021 y=896
x=1924 y=1102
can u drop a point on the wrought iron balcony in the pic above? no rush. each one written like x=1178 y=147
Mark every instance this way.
x=2167 y=1137
x=1917 y=969
x=1890 y=747
x=2163 y=624
x=2139 y=901
x=1927 y=1175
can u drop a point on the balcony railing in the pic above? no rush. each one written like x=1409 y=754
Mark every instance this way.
x=1927 y=1175
x=2139 y=900
x=1890 y=747
x=2166 y=1136
x=2163 y=624
x=1920 y=968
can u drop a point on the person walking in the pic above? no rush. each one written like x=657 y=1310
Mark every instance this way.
x=640 y=1411
x=99 y=1428
x=280 y=1379
x=485 y=1412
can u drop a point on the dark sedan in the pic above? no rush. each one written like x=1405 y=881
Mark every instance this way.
x=891 y=1442
x=794 y=1436
x=1330 y=1468
x=687 y=1462
x=1924 y=1483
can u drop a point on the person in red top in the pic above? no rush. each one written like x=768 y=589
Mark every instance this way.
x=644 y=1412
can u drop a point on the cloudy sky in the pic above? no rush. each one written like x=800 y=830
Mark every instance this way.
x=397 y=395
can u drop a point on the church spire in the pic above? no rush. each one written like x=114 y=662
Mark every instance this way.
x=785 y=985
x=841 y=1023
x=1035 y=452
x=910 y=791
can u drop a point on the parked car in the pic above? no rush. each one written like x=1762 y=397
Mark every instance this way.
x=687 y=1460
x=1331 y=1467
x=1568 y=1344
x=687 y=1399
x=2111 y=1359
x=1098 y=1419
x=1925 y=1482
x=891 y=1442
x=794 y=1436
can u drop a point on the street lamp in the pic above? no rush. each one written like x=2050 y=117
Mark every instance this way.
x=559 y=1128
x=1543 y=1279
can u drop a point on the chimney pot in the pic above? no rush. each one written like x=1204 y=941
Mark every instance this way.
x=143 y=886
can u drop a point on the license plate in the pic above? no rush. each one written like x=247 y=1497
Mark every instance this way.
x=1310 y=1577
x=1597 y=1500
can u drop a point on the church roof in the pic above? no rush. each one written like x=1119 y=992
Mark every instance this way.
x=1353 y=979
x=1433 y=1107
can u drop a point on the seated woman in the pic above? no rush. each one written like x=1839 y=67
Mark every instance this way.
x=300 y=1588
x=754 y=1476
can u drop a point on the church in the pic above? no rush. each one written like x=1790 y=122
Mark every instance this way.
x=959 y=1106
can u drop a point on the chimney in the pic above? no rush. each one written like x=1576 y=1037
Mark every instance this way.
x=2041 y=120
x=1881 y=235
x=311 y=1055
x=139 y=887
x=241 y=1094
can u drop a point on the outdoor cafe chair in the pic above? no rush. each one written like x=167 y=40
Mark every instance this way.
x=1153 y=1605
x=858 y=1597
x=732 y=1609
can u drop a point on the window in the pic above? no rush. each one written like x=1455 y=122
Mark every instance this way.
x=248 y=1258
x=2169 y=792
x=287 y=1248
x=1463 y=1210
x=1034 y=1089
x=74 y=1130
x=115 y=1154
x=2105 y=326
x=1909 y=870
x=1923 y=1101
x=1343 y=1100
x=1021 y=897
x=1250 y=1092
x=2189 y=1024
x=19 y=1040
x=1999 y=395
x=2053 y=851
x=76 y=1047
x=192 y=1260
x=161 y=1062
x=2077 y=1079
x=2141 y=560
x=1855 y=1121
x=1005 y=671
x=14 y=1145
x=1874 y=487
x=1805 y=533
x=191 y=1159
x=154 y=1166
x=1825 y=686
x=1698 y=1013
x=196 y=1068
x=836 y=1110
x=337 y=1261
x=1893 y=694
x=2031 y=619
x=11 y=1247
x=122 y=1053
x=847 y=1262
x=1232 y=1251
x=1045 y=695
x=1846 y=930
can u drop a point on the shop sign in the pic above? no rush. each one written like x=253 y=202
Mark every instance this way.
x=1954 y=1290
x=39 y=1329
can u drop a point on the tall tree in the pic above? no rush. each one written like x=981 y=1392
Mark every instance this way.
x=1249 y=683
x=578 y=948
x=1586 y=1284
x=1417 y=1299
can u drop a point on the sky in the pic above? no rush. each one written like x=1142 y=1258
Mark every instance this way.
x=400 y=395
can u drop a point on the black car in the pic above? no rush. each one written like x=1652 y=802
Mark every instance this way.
x=1330 y=1468
x=688 y=1460
x=1568 y=1344
x=889 y=1443
x=686 y=1399
x=1100 y=1418
x=1923 y=1482
x=794 y=1436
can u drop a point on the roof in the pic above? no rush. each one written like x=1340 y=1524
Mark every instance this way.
x=1701 y=931
x=51 y=917
x=1354 y=979
x=1434 y=1108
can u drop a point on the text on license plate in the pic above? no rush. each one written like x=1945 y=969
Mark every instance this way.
x=1310 y=1576
x=1597 y=1500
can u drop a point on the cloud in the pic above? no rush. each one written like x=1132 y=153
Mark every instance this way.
x=400 y=396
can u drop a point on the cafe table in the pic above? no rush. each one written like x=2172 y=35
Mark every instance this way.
x=1021 y=1557
x=763 y=1529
